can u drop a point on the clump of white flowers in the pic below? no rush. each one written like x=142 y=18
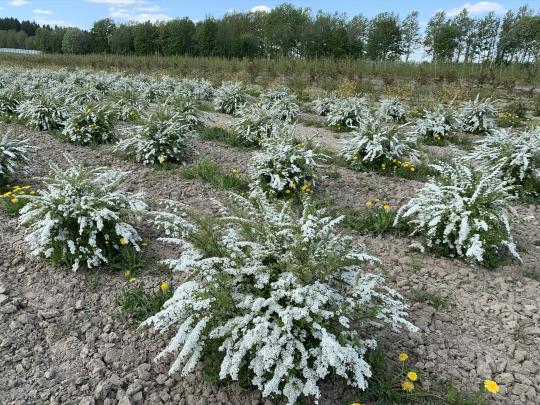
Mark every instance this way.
x=128 y=105
x=229 y=97
x=476 y=116
x=187 y=110
x=9 y=100
x=378 y=144
x=283 y=296
x=515 y=154
x=199 y=89
x=253 y=124
x=90 y=124
x=44 y=112
x=14 y=154
x=163 y=136
x=282 y=102
x=347 y=112
x=392 y=110
x=323 y=105
x=284 y=166
x=463 y=212
x=80 y=217
x=436 y=125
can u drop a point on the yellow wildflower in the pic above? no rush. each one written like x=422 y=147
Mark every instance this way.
x=25 y=187
x=386 y=206
x=132 y=280
x=491 y=386
x=287 y=191
x=127 y=273
x=14 y=200
x=377 y=199
x=292 y=185
x=305 y=187
x=403 y=356
x=234 y=171
x=369 y=204
x=411 y=375
x=123 y=241
x=144 y=244
x=412 y=169
x=161 y=159
x=164 y=286
x=407 y=386
x=32 y=193
x=355 y=157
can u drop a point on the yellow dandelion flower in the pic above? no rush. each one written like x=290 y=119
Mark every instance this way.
x=123 y=241
x=411 y=375
x=132 y=280
x=407 y=386
x=386 y=206
x=403 y=356
x=369 y=204
x=14 y=200
x=287 y=191
x=127 y=273
x=164 y=286
x=292 y=185
x=491 y=386
x=413 y=169
x=305 y=187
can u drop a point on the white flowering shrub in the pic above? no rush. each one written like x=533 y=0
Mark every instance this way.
x=463 y=212
x=281 y=297
x=187 y=110
x=284 y=166
x=43 y=112
x=377 y=144
x=14 y=154
x=198 y=89
x=229 y=97
x=323 y=105
x=283 y=103
x=85 y=95
x=253 y=124
x=9 y=100
x=347 y=112
x=477 y=116
x=436 y=126
x=162 y=137
x=90 y=124
x=80 y=217
x=392 y=110
x=515 y=154
x=128 y=106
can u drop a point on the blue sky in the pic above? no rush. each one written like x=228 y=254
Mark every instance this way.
x=83 y=13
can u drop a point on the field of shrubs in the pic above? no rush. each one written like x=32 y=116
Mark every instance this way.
x=174 y=240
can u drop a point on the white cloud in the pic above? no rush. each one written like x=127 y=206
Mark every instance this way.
x=116 y=2
x=17 y=3
x=40 y=11
x=45 y=21
x=136 y=15
x=262 y=8
x=478 y=8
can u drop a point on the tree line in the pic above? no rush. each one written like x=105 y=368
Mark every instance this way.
x=297 y=32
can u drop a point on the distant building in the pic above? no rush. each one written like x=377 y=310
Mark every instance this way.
x=26 y=51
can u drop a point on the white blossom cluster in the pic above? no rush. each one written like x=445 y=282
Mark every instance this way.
x=163 y=136
x=375 y=142
x=464 y=212
x=284 y=166
x=282 y=102
x=80 y=217
x=9 y=100
x=515 y=154
x=187 y=110
x=229 y=97
x=323 y=105
x=14 y=154
x=347 y=112
x=436 y=125
x=254 y=124
x=284 y=295
x=198 y=89
x=476 y=116
x=43 y=112
x=91 y=123
x=392 y=110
